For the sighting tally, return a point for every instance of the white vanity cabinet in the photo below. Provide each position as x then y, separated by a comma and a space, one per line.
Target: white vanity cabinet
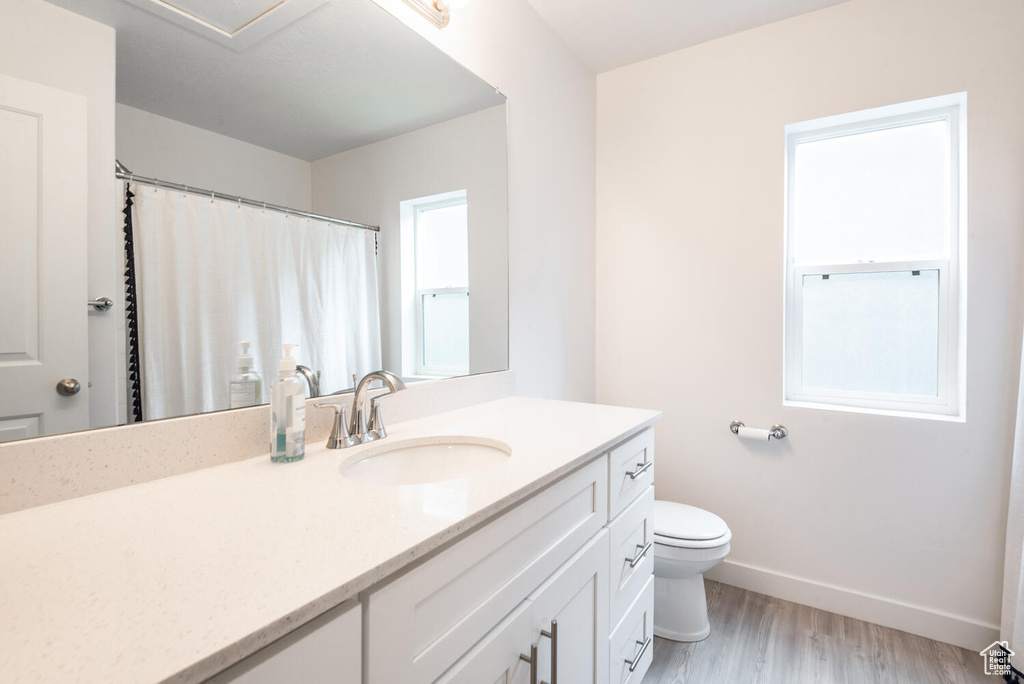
565, 574
421, 624
557, 589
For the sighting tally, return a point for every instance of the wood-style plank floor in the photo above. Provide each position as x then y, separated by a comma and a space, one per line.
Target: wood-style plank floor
757, 639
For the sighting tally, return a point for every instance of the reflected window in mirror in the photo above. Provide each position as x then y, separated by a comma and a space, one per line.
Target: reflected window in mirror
438, 334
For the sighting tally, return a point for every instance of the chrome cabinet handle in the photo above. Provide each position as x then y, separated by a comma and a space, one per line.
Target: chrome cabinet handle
532, 659
553, 635
641, 468
644, 645
635, 560
68, 387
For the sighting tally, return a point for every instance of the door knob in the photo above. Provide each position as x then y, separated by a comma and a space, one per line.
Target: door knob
68, 387
101, 304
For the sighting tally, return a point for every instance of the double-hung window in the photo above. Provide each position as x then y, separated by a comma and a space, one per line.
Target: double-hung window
875, 248
441, 236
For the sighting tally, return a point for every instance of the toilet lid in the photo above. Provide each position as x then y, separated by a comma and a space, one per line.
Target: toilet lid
679, 521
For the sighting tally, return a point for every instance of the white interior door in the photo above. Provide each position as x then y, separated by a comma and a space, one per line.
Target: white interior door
43, 269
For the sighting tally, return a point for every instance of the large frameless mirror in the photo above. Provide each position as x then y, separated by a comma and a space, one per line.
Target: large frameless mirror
189, 185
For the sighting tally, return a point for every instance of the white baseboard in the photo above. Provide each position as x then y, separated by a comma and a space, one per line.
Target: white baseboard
951, 629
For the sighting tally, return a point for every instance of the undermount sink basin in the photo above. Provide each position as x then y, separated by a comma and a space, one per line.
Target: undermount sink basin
425, 459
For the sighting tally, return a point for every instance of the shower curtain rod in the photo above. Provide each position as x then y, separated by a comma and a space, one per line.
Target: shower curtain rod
125, 174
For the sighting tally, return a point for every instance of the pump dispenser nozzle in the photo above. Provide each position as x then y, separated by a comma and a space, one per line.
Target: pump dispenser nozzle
287, 362
244, 359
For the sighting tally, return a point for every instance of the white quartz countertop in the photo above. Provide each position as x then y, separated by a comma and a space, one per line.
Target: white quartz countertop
175, 579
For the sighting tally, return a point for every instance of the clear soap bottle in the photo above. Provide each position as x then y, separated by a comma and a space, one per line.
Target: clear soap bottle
288, 412
246, 383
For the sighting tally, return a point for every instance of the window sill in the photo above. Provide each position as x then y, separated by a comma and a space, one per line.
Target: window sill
942, 417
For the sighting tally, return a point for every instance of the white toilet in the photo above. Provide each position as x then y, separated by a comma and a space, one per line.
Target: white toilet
688, 541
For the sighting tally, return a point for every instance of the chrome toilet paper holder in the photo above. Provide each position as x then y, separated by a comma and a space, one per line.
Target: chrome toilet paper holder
777, 431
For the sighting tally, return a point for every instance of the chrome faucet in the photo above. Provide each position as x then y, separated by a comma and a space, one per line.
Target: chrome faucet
344, 433
312, 380
375, 429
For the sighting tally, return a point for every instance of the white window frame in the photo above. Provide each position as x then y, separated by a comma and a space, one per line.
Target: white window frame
457, 199
949, 403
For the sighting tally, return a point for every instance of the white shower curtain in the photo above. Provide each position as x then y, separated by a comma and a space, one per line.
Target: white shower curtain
212, 273
1012, 625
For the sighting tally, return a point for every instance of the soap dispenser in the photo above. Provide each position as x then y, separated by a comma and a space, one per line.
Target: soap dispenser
288, 412
246, 383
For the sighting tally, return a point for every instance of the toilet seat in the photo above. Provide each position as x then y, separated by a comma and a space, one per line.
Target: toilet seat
688, 527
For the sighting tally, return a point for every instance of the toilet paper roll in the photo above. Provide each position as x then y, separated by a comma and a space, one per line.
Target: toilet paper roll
756, 434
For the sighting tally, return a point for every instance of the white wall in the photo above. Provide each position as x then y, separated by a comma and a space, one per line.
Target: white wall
158, 147
551, 185
52, 46
896, 520
367, 184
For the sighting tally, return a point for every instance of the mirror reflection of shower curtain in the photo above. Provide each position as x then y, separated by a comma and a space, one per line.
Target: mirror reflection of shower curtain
212, 273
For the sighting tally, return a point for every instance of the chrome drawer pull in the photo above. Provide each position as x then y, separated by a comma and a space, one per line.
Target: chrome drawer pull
532, 659
644, 548
644, 645
553, 635
641, 468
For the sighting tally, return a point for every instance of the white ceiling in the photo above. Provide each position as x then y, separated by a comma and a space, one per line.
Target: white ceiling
341, 75
608, 34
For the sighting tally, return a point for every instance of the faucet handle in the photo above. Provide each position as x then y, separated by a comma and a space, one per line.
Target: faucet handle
376, 422
340, 437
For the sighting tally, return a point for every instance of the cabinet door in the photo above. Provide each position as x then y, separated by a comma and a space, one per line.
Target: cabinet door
496, 659
570, 618
419, 625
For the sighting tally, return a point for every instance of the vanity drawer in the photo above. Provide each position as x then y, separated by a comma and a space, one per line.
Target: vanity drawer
632, 642
632, 540
631, 470
420, 624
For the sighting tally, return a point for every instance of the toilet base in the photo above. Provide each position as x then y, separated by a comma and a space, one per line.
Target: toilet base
681, 609
684, 638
